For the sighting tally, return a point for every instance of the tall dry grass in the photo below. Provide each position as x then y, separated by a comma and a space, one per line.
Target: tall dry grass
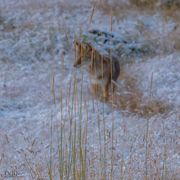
79, 160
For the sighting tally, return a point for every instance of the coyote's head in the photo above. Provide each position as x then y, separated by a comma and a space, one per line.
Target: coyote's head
83, 51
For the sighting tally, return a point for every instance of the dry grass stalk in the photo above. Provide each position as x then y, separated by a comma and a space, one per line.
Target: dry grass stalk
92, 13
75, 50
111, 20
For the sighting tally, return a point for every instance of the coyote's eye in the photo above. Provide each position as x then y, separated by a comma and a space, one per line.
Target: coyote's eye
77, 43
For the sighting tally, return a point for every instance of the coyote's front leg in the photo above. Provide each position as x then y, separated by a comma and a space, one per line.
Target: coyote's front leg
94, 89
105, 92
78, 62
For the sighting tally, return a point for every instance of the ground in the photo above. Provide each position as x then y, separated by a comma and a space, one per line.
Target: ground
46, 103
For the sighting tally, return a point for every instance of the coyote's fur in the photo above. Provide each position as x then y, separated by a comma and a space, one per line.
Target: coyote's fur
103, 69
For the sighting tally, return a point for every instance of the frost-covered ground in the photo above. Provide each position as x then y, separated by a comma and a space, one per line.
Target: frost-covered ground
36, 46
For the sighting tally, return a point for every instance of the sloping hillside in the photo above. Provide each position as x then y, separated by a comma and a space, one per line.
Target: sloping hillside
51, 125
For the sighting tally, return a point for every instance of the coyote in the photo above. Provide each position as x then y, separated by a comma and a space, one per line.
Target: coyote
102, 69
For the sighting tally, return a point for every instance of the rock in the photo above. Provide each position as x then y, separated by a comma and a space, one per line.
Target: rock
120, 46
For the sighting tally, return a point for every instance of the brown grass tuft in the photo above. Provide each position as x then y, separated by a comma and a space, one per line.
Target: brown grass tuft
144, 3
170, 4
132, 100
114, 8
154, 107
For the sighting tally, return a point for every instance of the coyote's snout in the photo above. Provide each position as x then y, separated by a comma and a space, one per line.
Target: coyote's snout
102, 69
